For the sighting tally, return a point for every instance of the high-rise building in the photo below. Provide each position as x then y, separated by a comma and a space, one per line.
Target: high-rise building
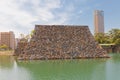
8, 39
99, 21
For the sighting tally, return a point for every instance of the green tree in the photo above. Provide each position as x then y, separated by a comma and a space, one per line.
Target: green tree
102, 38
112, 37
24, 38
32, 32
5, 47
115, 36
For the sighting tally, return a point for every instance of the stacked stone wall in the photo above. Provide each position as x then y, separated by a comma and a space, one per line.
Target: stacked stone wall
62, 42
20, 48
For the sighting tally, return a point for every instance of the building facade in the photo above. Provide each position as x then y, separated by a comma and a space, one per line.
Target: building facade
8, 39
99, 21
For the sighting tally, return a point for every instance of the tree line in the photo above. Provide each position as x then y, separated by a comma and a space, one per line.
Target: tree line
112, 37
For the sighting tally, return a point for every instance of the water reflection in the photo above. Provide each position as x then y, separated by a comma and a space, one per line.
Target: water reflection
9, 70
66, 69
83, 69
113, 67
6, 62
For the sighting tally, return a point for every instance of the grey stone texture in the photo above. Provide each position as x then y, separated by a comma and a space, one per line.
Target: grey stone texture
62, 42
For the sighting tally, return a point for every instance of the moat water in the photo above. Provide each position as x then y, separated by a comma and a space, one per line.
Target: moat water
81, 69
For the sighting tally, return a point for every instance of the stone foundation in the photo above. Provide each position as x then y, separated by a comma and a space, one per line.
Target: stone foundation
62, 42
112, 48
20, 48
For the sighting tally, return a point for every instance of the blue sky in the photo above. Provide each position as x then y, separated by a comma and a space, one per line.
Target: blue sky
21, 16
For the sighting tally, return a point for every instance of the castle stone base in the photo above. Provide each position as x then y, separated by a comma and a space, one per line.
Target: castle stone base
62, 42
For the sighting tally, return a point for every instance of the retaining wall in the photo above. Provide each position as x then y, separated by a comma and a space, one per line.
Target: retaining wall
62, 42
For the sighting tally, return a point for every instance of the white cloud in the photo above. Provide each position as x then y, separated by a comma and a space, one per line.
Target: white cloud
21, 16
14, 17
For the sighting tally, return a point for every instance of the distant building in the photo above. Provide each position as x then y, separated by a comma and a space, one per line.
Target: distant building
7, 38
99, 21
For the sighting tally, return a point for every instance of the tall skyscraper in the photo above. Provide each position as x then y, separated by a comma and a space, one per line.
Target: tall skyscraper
7, 38
99, 21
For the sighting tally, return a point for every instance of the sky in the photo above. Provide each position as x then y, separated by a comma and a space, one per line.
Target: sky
21, 16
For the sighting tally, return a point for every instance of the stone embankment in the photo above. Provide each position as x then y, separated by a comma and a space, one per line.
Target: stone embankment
20, 48
112, 48
61, 42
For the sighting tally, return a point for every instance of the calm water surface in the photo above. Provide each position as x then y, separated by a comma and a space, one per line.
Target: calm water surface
83, 69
